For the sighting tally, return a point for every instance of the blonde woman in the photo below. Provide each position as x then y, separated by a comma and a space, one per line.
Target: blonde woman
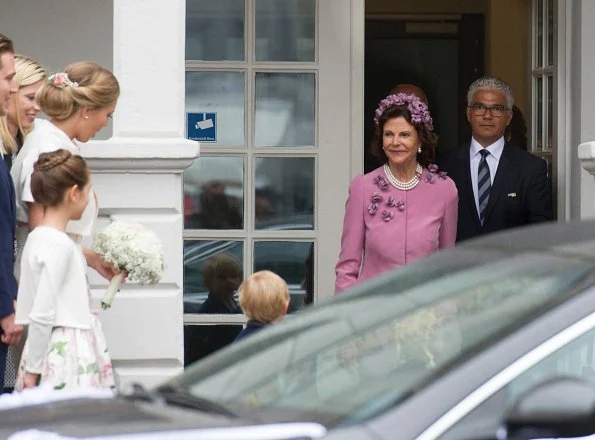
79, 102
22, 107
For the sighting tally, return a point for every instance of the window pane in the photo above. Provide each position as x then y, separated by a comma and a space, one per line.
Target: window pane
550, 112
202, 340
215, 30
550, 32
221, 93
223, 261
285, 109
284, 193
539, 35
285, 30
292, 261
539, 114
214, 193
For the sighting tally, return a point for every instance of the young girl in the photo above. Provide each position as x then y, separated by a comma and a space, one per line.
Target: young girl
65, 346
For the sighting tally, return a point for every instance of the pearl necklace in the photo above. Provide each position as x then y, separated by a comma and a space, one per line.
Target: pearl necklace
403, 186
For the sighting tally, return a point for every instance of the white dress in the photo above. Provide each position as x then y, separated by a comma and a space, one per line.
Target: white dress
44, 137
66, 356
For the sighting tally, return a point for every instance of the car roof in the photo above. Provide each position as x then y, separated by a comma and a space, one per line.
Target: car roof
573, 237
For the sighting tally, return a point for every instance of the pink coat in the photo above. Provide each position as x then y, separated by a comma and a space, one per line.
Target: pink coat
385, 228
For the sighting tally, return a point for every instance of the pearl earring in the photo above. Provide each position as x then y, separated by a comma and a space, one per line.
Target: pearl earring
86, 116
419, 150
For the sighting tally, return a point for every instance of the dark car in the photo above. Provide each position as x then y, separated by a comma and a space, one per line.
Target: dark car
493, 339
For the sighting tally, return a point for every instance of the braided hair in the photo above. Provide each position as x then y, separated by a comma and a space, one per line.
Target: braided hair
55, 173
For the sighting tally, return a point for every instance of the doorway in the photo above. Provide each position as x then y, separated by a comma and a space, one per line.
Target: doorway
442, 54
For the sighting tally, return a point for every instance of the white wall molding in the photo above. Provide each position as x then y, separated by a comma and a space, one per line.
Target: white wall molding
140, 155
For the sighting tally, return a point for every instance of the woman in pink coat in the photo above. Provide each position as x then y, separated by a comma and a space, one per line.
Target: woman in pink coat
406, 209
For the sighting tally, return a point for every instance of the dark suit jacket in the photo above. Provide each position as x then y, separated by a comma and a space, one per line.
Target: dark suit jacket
521, 192
8, 285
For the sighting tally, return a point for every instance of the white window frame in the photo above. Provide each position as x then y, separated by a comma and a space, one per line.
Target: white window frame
250, 67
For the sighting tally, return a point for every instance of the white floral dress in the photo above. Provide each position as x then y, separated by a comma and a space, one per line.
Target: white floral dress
76, 358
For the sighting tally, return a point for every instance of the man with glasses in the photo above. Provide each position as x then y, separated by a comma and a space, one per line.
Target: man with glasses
500, 186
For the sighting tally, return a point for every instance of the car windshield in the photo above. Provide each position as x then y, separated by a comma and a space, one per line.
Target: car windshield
365, 351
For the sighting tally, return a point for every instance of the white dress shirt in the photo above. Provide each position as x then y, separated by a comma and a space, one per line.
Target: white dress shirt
492, 159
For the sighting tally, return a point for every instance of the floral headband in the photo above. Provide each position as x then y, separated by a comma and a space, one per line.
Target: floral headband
61, 80
418, 109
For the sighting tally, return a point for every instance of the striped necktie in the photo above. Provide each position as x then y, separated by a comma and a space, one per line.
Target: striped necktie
484, 184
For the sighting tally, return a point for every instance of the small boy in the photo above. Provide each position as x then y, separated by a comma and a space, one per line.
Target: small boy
264, 298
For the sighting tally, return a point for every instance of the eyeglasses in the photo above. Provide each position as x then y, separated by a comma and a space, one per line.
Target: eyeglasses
495, 110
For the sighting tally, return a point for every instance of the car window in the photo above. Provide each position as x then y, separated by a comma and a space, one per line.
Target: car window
575, 359
365, 352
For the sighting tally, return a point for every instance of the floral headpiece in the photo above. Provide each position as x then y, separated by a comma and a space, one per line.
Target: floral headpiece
418, 109
61, 80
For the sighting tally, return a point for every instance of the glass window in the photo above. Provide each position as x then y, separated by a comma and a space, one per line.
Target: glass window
285, 30
212, 268
215, 30
539, 35
214, 193
203, 340
574, 359
539, 113
550, 112
221, 93
285, 107
386, 339
284, 193
550, 32
292, 261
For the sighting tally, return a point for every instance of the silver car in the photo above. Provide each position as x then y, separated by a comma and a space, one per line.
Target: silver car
492, 339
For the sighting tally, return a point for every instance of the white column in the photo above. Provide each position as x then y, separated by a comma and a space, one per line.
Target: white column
583, 114
138, 177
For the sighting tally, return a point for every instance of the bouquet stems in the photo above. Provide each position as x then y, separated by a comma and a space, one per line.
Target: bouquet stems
112, 289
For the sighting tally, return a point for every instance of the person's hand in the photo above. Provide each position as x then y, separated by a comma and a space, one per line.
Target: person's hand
31, 380
103, 268
11, 333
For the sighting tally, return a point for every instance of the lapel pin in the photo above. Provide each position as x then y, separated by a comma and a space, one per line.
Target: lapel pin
511, 194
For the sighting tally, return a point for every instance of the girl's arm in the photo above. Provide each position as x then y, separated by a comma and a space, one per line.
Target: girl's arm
105, 269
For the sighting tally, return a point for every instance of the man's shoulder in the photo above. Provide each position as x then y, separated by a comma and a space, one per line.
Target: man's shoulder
451, 156
518, 154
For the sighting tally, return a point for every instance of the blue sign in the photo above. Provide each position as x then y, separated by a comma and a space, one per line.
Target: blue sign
202, 127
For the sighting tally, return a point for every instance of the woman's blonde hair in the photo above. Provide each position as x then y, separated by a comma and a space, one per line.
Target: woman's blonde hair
264, 296
28, 71
95, 87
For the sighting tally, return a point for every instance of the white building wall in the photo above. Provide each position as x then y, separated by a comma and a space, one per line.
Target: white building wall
137, 173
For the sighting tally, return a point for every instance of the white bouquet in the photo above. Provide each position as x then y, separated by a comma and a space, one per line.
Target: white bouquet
131, 248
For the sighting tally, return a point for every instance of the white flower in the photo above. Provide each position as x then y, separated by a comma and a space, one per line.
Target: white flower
131, 248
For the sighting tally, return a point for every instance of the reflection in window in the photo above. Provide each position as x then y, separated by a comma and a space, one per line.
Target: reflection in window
292, 261
212, 268
215, 30
285, 104
285, 30
212, 274
221, 93
284, 193
214, 193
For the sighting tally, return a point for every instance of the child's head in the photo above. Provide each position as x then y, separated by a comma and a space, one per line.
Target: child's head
264, 297
61, 178
222, 275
